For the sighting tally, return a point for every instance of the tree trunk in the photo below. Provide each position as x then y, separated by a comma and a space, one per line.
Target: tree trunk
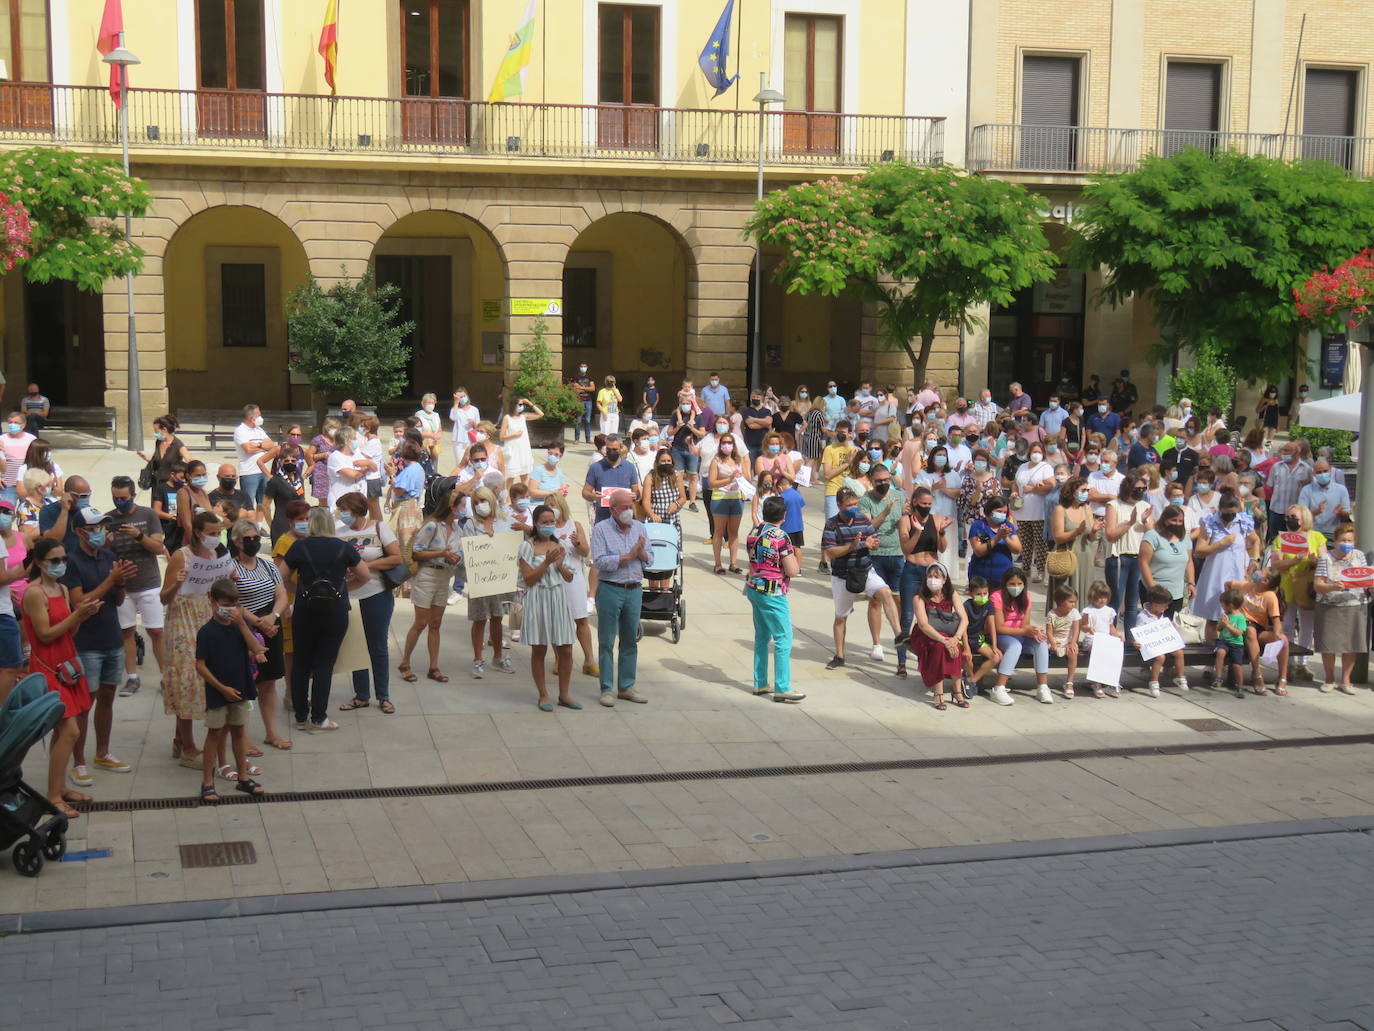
921, 360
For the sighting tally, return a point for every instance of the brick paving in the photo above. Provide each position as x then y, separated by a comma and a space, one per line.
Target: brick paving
1267, 934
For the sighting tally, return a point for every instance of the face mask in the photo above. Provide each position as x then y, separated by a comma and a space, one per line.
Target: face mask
1082, 496
722, 427
653, 441
1053, 449
1091, 460
14, 427
1324, 479
773, 449
941, 461
518, 408
1202, 487
200, 481
546, 529
1344, 548
1109, 468
301, 529
848, 513
1226, 517
250, 545
1102, 409
831, 391
686, 408
1293, 523
481, 437
225, 611
980, 599
727, 448
553, 459
124, 504
6, 520
666, 469
1015, 591
1037, 457
980, 465
482, 508
881, 489
935, 583
715, 382
346, 518
57, 570
624, 518
96, 538
257, 421
1054, 405
582, 369
842, 437
803, 395
525, 504
289, 468
1176, 499
210, 541
159, 435
479, 464
226, 483
1244, 491
293, 438
876, 454
461, 401
1174, 527
865, 466
998, 518
428, 408
1173, 475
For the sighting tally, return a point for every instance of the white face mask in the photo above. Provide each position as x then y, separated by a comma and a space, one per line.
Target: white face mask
257, 421
935, 583
482, 508
625, 516
225, 611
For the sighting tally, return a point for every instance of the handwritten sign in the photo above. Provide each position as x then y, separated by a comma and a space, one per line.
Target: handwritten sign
1105, 659
490, 564
1155, 639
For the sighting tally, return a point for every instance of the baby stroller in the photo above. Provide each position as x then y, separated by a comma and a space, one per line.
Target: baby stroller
28, 821
664, 604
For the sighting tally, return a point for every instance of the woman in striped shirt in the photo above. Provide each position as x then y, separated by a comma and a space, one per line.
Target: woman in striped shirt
263, 598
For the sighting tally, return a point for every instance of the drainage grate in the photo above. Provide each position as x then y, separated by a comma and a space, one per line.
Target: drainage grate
1202, 726
218, 853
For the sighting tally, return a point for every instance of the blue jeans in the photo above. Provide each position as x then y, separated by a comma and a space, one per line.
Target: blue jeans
1123, 577
889, 567
376, 616
686, 462
912, 580
1012, 648
254, 485
772, 627
584, 424
617, 613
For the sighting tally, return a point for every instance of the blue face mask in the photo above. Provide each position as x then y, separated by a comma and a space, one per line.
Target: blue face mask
546, 529
1082, 496
6, 520
14, 427
653, 441
979, 465
998, 518
346, 518
525, 504
1344, 548
1324, 479
301, 529
554, 459
97, 538
159, 435
57, 570
848, 513
124, 504
200, 481
773, 449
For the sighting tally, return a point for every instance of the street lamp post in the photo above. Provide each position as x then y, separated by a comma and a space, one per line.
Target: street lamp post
763, 99
121, 58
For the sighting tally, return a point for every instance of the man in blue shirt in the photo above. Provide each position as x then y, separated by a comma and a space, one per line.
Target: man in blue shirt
1052, 418
55, 519
715, 394
1103, 420
620, 549
1143, 451
835, 405
608, 475
1328, 500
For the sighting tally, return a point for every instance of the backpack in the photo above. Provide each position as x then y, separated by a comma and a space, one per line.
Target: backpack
436, 488
320, 596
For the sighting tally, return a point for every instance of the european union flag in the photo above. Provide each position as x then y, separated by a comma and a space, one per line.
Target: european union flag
717, 50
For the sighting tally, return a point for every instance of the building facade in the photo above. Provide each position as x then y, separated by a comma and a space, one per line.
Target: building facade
615, 186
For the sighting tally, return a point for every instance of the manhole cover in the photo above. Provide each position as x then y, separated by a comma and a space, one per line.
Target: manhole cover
218, 853
1203, 726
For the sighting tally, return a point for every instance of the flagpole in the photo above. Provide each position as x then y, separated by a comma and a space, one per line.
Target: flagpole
334, 89
135, 431
739, 58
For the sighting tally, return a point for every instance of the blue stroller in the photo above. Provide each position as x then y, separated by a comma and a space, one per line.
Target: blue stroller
28, 821
664, 604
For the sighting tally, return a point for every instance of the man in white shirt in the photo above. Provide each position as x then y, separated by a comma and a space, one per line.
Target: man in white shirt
867, 400
465, 417
1105, 484
986, 410
960, 454
250, 441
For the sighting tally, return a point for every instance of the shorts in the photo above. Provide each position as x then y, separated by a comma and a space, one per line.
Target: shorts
374, 487
490, 607
686, 462
142, 604
11, 648
727, 508
235, 714
978, 642
844, 601
798, 538
1235, 653
102, 667
430, 586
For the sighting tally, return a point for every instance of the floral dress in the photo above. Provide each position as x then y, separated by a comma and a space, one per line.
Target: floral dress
183, 691
319, 475
974, 495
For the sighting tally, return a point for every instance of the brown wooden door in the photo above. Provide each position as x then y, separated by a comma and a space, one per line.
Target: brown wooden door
811, 84
628, 78
434, 70
231, 63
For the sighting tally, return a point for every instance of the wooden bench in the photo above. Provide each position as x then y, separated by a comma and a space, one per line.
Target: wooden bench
214, 425
65, 417
1203, 655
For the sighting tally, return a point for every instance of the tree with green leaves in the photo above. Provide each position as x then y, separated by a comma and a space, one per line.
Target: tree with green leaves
925, 244
350, 339
1218, 243
76, 205
537, 380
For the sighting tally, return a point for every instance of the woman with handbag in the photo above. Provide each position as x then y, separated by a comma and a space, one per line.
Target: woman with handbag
377, 546
576, 541
167, 449
1073, 532
938, 636
434, 549
1297, 585
1342, 610
727, 468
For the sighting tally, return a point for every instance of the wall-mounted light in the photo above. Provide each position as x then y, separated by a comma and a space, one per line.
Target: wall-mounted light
703, 150
364, 139
153, 132
512, 144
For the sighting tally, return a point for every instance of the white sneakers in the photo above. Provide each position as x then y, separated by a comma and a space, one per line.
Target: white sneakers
1181, 683
1043, 696
877, 653
1344, 689
1154, 688
1001, 696
504, 664
479, 666
1327, 688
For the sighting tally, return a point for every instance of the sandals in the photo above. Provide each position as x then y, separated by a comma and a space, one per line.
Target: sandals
250, 787
227, 772
67, 811
254, 752
354, 703
720, 570
386, 706
1281, 688
208, 795
77, 796
1068, 689
407, 674
961, 701
546, 706
1260, 688
940, 703
437, 675
278, 742
901, 672
736, 570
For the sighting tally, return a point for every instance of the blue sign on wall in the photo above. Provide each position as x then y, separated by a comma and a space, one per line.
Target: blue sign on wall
1334, 350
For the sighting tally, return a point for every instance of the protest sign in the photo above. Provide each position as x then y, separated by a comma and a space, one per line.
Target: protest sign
489, 564
1105, 660
1157, 638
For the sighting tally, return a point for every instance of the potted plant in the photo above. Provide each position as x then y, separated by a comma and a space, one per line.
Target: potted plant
536, 380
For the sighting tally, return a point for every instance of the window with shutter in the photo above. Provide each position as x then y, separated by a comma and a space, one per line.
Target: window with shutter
1330, 97
1192, 106
1049, 113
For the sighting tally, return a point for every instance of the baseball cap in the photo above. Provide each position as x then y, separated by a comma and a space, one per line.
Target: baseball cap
88, 516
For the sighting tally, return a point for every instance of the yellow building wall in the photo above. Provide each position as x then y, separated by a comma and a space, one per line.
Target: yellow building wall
1336, 35
1182, 28
1057, 27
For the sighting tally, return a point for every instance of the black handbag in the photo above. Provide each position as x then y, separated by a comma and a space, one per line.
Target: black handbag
856, 578
146, 479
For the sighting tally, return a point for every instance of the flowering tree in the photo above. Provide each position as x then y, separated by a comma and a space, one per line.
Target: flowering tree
924, 244
1340, 298
18, 233
75, 205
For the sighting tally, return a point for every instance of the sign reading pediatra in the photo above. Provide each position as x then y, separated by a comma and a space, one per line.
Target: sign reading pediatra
490, 565
1158, 638
536, 306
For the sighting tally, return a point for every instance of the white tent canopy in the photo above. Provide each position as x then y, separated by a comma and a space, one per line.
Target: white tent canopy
1332, 413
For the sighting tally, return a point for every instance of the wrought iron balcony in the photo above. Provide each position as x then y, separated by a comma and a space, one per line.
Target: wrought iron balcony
38, 113
1081, 150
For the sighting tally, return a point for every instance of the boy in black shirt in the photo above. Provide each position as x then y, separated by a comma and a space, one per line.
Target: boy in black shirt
225, 653
980, 640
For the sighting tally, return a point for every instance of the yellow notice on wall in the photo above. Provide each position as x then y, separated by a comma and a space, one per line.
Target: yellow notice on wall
536, 306
491, 311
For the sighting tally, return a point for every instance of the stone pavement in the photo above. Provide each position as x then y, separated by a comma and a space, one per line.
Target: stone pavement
1262, 934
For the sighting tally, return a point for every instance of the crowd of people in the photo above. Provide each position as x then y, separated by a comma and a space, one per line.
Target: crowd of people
942, 515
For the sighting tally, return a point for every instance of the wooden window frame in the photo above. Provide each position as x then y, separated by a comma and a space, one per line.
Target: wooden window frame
630, 124
16, 67
806, 131
231, 49
811, 20
466, 48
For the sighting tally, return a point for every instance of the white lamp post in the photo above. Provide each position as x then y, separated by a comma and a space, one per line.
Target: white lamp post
764, 97
120, 57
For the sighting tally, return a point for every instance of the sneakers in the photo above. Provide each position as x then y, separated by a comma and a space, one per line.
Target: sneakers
1043, 696
792, 697
504, 664
631, 695
823, 566
762, 691
1001, 696
131, 685
1181, 683
877, 653
110, 764
1116, 691
607, 699
452, 598
325, 724
970, 689
1343, 689
80, 776
479, 667
1327, 688
1154, 688
836, 661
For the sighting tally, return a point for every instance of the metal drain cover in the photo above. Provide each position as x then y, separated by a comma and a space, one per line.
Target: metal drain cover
218, 853
1205, 725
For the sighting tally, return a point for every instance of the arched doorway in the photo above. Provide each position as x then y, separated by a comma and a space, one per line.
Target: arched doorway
452, 281
227, 273
625, 303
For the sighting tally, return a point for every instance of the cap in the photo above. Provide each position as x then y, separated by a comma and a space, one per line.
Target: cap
90, 517
6, 505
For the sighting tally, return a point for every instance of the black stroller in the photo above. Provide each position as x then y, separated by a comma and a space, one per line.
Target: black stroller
28, 821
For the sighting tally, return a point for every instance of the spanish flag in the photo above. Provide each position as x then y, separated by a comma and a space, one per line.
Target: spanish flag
510, 77
329, 44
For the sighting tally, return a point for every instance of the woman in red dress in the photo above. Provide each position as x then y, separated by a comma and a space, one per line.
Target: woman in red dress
937, 636
50, 622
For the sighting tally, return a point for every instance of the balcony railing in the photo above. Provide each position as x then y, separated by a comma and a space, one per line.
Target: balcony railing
33, 113
1076, 149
